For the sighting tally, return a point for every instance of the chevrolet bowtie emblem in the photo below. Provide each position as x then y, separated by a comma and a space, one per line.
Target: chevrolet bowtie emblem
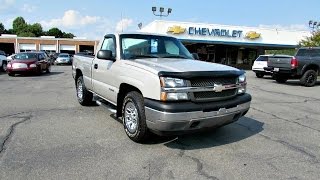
252, 35
176, 30
218, 88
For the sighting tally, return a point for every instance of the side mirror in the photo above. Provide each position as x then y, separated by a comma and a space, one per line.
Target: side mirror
195, 56
105, 54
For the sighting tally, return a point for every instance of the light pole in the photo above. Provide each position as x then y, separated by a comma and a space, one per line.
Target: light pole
314, 25
161, 10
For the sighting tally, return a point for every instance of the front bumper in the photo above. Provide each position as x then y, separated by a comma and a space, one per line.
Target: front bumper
260, 70
22, 70
195, 117
63, 61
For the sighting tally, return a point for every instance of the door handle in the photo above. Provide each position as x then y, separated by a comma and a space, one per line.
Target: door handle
95, 66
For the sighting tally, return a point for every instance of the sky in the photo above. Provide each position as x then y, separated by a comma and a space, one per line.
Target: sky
94, 18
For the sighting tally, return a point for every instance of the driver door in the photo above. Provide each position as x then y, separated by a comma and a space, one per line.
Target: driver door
102, 71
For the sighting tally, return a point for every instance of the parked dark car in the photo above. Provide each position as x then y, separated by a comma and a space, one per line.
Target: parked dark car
29, 62
305, 65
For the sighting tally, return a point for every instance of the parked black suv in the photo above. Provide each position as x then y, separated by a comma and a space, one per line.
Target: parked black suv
305, 65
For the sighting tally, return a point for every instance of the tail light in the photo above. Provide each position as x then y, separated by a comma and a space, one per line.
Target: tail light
294, 63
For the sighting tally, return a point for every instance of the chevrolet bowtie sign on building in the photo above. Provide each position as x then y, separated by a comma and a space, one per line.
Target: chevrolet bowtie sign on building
252, 35
176, 30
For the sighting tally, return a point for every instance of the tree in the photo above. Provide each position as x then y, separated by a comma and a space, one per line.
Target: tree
19, 25
55, 32
312, 41
282, 51
36, 29
68, 35
2, 29
26, 34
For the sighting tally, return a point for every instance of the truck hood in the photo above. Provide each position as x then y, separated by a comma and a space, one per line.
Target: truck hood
155, 65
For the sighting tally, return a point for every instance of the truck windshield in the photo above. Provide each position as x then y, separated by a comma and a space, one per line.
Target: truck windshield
137, 46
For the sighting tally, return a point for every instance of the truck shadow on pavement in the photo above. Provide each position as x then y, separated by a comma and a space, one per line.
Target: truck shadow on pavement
296, 83
234, 132
244, 128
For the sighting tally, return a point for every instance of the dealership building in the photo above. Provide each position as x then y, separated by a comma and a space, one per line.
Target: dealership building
11, 44
237, 46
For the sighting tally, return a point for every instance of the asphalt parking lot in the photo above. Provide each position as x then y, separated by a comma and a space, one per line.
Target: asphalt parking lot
46, 134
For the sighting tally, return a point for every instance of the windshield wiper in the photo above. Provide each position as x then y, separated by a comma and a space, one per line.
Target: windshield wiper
175, 56
142, 56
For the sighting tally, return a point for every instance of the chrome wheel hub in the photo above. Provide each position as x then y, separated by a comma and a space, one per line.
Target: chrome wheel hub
79, 90
310, 78
131, 117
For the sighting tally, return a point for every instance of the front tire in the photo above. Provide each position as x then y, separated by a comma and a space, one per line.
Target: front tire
4, 66
309, 78
84, 96
133, 117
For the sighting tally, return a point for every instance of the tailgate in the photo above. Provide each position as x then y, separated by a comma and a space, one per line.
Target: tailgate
280, 62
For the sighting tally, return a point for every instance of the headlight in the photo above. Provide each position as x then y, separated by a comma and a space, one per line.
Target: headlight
242, 78
9, 65
168, 82
33, 65
243, 84
173, 96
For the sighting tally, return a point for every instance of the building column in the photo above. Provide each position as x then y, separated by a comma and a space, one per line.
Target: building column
57, 47
77, 48
17, 49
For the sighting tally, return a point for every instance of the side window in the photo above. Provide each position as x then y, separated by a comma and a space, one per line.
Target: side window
41, 56
108, 44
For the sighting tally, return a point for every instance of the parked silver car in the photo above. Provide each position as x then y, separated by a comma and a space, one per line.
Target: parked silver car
63, 58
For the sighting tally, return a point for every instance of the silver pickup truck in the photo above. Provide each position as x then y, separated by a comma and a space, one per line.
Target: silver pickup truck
156, 85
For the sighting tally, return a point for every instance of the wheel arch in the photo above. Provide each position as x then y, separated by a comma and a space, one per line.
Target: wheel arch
78, 74
311, 66
123, 90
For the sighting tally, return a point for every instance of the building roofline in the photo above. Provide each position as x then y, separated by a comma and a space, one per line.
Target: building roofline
53, 39
224, 25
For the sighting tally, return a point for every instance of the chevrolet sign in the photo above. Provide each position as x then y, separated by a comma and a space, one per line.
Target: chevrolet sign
176, 30
252, 35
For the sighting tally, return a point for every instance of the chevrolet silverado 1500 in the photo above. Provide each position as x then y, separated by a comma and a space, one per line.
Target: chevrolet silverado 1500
157, 86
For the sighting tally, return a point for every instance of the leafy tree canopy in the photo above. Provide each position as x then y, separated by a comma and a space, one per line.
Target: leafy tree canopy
22, 29
312, 41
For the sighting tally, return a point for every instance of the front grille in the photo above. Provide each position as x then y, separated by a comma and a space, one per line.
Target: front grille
211, 81
214, 96
211, 95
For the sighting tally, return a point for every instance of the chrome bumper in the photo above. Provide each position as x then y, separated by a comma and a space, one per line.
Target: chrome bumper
185, 121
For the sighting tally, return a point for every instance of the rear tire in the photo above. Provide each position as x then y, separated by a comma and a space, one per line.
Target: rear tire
11, 74
259, 75
309, 78
134, 118
84, 96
